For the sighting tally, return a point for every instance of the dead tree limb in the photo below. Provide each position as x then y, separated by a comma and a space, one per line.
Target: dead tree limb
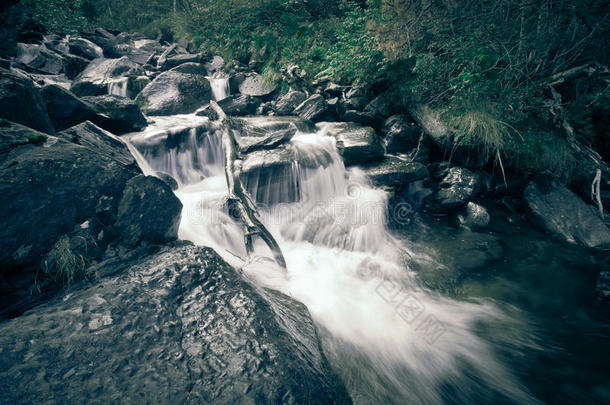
239, 202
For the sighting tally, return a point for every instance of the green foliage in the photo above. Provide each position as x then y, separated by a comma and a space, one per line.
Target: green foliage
37, 139
58, 16
68, 266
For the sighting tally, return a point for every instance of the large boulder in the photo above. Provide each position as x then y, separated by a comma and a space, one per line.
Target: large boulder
474, 216
565, 215
381, 107
176, 60
401, 134
103, 142
116, 114
315, 108
356, 144
148, 212
255, 85
84, 48
288, 102
48, 185
39, 58
64, 108
239, 105
180, 326
395, 173
21, 102
457, 187
191, 68
102, 76
174, 93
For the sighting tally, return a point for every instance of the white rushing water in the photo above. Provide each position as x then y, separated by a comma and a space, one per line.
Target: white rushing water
220, 87
389, 339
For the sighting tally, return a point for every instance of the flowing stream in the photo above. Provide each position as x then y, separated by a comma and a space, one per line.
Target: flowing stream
389, 338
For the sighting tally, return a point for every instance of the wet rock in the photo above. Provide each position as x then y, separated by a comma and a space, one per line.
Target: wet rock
84, 48
191, 68
21, 102
215, 65
401, 134
603, 286
457, 187
169, 180
395, 173
148, 212
474, 216
39, 58
356, 103
116, 114
380, 107
179, 326
176, 60
48, 187
174, 93
64, 108
102, 74
262, 126
288, 102
564, 214
356, 144
239, 105
315, 108
255, 85
358, 117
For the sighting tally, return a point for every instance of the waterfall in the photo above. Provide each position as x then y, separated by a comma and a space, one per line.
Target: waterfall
390, 339
220, 87
118, 87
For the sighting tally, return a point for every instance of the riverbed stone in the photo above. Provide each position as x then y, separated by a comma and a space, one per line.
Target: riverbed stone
116, 114
288, 102
148, 212
315, 108
565, 215
401, 134
174, 93
395, 173
101, 73
254, 84
356, 144
474, 216
64, 108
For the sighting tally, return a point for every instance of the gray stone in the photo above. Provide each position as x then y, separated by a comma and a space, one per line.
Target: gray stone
174, 93
239, 105
64, 108
178, 326
474, 216
401, 134
315, 108
255, 85
21, 102
565, 215
356, 144
288, 102
456, 189
85, 48
116, 114
48, 185
101, 74
395, 173
148, 212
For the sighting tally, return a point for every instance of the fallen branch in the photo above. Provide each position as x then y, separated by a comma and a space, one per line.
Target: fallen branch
239, 202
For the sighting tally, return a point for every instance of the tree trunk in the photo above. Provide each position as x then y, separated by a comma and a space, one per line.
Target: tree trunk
239, 202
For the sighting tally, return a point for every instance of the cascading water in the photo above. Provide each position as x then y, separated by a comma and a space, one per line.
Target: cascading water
220, 87
389, 339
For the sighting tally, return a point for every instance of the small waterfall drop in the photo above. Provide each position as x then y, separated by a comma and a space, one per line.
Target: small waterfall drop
390, 339
118, 87
220, 87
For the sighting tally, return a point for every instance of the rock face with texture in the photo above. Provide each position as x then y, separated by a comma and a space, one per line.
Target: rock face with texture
239, 105
457, 187
103, 76
148, 211
116, 114
564, 214
288, 102
85, 48
21, 102
395, 173
255, 85
64, 108
356, 144
474, 216
174, 93
180, 326
401, 134
315, 108
48, 185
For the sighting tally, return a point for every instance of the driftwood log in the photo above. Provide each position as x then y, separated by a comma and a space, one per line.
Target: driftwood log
239, 202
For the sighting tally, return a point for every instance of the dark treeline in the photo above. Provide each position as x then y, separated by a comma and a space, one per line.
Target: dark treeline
508, 75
